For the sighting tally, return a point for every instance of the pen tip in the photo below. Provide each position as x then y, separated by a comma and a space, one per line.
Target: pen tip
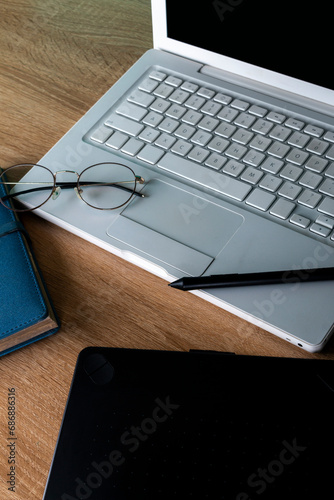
176, 284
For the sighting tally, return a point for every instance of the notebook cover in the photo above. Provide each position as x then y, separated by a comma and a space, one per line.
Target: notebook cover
24, 299
178, 425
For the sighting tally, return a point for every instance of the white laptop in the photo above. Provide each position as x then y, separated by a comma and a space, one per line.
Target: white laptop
230, 121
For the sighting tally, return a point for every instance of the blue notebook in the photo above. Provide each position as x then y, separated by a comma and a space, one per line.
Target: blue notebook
26, 313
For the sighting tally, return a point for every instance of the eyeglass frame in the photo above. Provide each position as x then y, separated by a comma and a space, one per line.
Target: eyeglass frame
55, 190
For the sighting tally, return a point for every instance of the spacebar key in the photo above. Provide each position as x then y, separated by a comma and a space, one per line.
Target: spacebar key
211, 179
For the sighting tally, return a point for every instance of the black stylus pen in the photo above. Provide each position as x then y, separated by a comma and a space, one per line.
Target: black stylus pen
246, 279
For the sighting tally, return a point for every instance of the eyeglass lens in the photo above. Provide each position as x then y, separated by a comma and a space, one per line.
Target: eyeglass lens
107, 185
27, 182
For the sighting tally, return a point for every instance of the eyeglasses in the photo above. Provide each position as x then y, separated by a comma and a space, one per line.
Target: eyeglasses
104, 186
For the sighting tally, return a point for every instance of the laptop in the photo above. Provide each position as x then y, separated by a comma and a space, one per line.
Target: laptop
230, 121
213, 425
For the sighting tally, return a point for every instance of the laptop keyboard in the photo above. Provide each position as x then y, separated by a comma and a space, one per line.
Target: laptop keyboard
277, 165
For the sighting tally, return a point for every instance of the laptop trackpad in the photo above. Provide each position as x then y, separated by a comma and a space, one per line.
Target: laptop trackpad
175, 227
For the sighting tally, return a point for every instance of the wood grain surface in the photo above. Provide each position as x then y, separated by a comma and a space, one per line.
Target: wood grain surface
57, 57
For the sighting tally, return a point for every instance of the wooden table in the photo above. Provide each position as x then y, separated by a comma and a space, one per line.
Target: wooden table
57, 58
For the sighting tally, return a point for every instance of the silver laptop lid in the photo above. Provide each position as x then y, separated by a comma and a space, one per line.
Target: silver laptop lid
285, 46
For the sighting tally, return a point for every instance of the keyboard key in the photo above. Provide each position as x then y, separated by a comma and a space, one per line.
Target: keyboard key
325, 221
176, 111
320, 230
258, 111
208, 178
192, 117
117, 140
254, 158
289, 190
179, 96
185, 131
262, 127
312, 130
317, 147
201, 138
327, 207
242, 136
310, 180
329, 136
278, 149
330, 171
225, 130
298, 140
233, 168
251, 175
101, 134
316, 164
282, 208
244, 120
291, 172
124, 124
173, 81
148, 85
195, 102
168, 125
276, 117
211, 108
165, 141
294, 124
272, 165
236, 151
153, 119
207, 93
150, 154
270, 183
297, 157
228, 114
198, 154
260, 143
189, 87
160, 105
181, 148
149, 134
310, 199
239, 104
132, 111
260, 199
330, 153
140, 98
208, 123
218, 144
300, 221
279, 133
215, 161
223, 99
163, 91
327, 187
158, 75
132, 147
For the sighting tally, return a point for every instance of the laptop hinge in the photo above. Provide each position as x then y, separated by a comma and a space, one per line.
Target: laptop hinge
267, 90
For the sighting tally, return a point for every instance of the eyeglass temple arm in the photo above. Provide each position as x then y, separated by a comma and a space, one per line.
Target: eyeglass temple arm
34, 190
65, 185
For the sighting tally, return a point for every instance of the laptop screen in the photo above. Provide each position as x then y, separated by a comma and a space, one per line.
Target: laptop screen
288, 37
